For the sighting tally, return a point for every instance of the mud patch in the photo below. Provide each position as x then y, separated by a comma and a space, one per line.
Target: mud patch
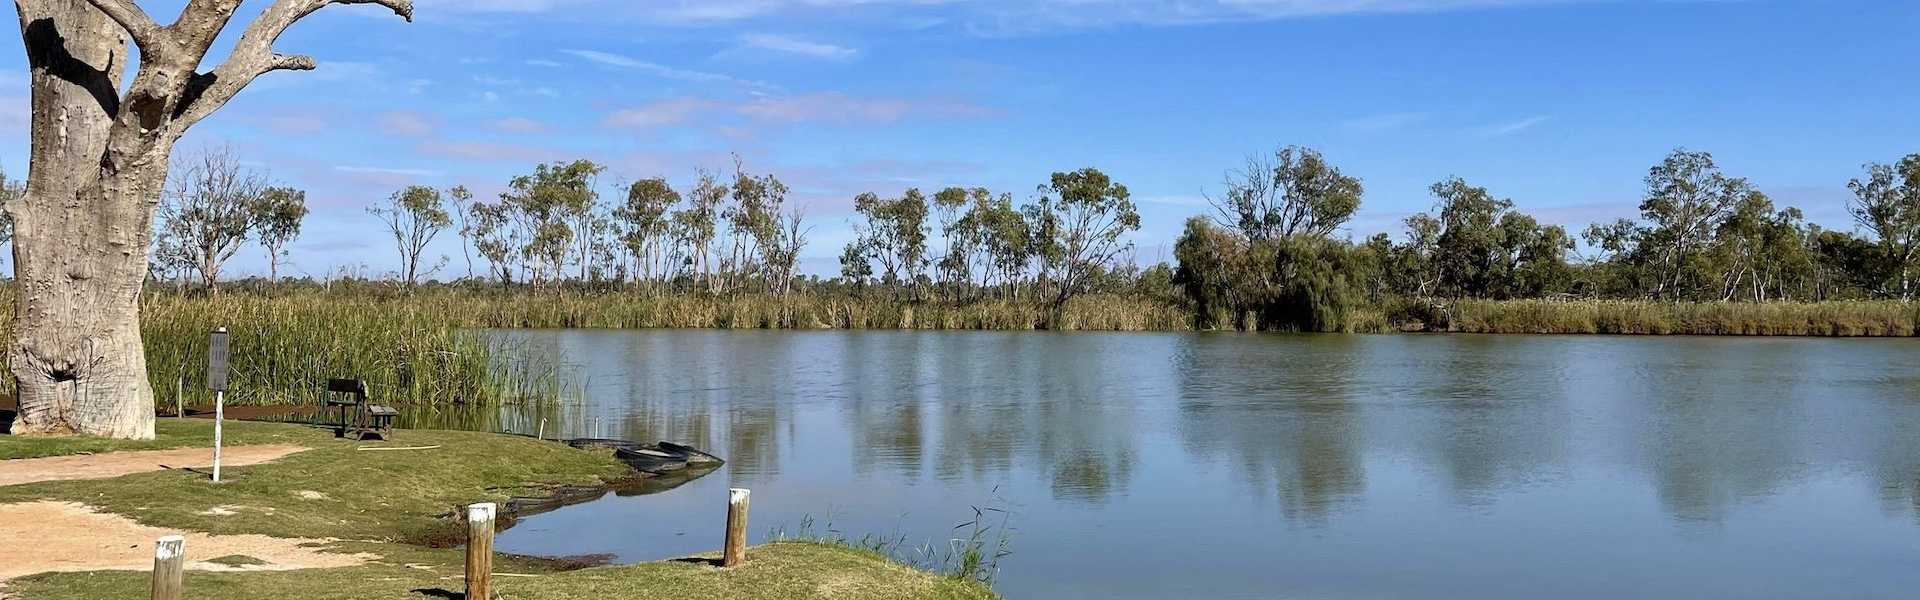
115, 464
68, 536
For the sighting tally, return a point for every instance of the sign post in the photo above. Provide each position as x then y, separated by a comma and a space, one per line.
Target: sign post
217, 381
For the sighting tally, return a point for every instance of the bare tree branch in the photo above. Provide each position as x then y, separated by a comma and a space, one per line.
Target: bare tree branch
254, 56
134, 19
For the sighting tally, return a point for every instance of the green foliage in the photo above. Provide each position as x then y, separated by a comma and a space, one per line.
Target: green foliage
1077, 225
1887, 205
1295, 193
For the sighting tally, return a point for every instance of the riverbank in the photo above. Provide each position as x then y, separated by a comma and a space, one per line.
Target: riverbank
419, 347
335, 521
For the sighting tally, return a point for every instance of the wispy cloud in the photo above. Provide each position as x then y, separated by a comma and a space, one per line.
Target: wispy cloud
841, 108
519, 125
627, 62
796, 46
1513, 127
1383, 122
386, 171
672, 111
405, 123
821, 107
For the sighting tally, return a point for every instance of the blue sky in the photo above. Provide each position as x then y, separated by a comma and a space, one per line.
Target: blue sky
1560, 105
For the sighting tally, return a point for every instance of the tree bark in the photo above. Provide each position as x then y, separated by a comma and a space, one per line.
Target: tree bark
80, 247
98, 161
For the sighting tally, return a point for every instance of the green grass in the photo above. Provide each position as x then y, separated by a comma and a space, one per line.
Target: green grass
378, 502
168, 433
381, 496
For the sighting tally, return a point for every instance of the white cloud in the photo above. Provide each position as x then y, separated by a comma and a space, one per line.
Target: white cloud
1513, 127
386, 171
842, 108
795, 46
405, 123
519, 125
672, 111
626, 62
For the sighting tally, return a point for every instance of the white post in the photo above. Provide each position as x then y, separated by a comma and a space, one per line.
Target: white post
169, 558
219, 415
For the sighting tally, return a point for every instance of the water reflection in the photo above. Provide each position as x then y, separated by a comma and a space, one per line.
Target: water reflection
1682, 466
1281, 412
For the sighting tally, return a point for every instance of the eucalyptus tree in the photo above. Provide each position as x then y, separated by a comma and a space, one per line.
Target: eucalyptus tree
414, 216
1293, 192
645, 223
894, 233
209, 211
1887, 205
694, 226
461, 200
1687, 200
551, 205
277, 214
1079, 223
100, 149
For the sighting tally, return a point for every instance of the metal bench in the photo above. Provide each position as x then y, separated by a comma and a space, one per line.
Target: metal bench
359, 418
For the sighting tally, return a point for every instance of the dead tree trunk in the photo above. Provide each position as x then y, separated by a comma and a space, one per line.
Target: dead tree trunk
98, 161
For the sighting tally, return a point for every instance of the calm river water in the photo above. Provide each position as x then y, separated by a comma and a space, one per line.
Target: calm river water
1265, 466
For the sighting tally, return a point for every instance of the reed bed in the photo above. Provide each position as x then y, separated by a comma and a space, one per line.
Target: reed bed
1619, 317
427, 347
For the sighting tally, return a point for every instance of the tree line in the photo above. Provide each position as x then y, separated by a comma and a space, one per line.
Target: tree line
1272, 254
1269, 258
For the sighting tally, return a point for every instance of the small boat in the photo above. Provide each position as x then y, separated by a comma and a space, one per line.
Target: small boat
652, 460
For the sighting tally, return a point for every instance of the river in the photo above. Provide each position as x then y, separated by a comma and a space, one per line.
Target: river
1262, 466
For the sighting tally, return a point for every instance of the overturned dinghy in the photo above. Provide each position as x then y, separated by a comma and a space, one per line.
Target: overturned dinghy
657, 459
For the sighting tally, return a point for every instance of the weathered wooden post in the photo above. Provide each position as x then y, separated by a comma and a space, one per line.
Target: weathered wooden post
480, 551
217, 381
542, 433
736, 548
179, 397
169, 560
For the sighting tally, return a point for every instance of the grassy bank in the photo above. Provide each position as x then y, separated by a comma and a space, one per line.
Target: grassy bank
419, 347
1831, 319
387, 503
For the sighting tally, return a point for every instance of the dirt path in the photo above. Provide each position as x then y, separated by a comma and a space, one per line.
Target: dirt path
115, 464
67, 536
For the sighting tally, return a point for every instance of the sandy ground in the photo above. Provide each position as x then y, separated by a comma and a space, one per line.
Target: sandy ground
67, 536
115, 464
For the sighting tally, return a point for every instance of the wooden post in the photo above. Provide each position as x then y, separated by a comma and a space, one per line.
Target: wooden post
219, 418
179, 397
736, 549
480, 551
169, 559
542, 434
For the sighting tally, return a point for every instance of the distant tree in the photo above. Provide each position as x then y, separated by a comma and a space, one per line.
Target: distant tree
694, 226
1687, 200
493, 229
209, 211
953, 266
414, 216
1887, 204
1469, 255
10, 190
645, 223
461, 200
894, 232
277, 214
1079, 222
855, 266
1293, 192
758, 216
555, 208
